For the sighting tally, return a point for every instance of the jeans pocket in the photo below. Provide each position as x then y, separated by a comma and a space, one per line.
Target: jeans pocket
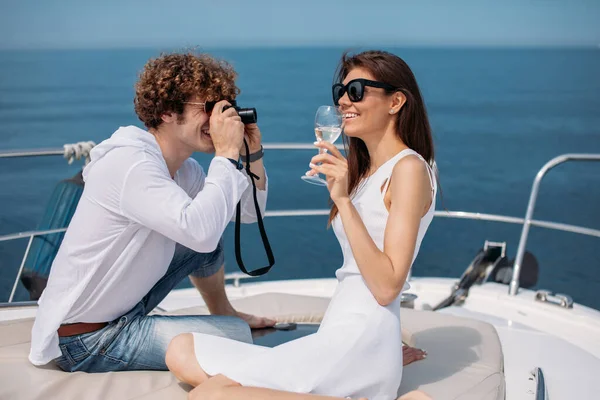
73, 352
63, 362
111, 334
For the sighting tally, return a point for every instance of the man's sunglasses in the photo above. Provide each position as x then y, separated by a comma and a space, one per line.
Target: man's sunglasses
209, 105
356, 89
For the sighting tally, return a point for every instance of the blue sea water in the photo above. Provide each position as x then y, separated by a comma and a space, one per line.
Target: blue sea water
497, 115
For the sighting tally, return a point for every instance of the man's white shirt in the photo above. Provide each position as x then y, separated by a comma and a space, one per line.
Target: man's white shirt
122, 236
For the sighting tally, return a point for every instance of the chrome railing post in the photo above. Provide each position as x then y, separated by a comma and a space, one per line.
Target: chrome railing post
541, 393
14, 289
514, 283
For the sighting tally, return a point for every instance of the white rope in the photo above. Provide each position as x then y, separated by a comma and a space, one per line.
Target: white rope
75, 151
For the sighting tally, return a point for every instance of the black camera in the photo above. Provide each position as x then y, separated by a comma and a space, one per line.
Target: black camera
248, 115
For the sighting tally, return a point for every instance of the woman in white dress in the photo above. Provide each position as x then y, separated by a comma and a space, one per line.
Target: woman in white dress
383, 202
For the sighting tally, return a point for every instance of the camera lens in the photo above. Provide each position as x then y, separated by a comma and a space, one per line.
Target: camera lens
248, 115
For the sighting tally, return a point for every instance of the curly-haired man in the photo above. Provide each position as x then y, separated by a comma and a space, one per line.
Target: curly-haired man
149, 216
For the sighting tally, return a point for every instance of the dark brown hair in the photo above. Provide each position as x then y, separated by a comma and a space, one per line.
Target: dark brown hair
412, 124
172, 79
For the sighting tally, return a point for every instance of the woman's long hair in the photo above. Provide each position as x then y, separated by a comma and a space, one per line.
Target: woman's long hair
412, 124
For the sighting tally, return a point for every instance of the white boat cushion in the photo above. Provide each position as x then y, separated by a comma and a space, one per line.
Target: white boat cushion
464, 358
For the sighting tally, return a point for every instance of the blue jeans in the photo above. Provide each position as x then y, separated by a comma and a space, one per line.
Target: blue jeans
137, 341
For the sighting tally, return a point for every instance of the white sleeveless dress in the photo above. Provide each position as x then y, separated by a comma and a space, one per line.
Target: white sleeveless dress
357, 351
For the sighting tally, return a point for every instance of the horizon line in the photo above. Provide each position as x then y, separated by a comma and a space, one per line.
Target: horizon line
311, 46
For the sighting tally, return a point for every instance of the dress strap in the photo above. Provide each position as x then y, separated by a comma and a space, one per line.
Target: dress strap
401, 155
430, 173
387, 184
392, 162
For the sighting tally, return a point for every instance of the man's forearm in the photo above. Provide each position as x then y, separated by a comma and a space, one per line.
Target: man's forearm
212, 289
258, 168
248, 207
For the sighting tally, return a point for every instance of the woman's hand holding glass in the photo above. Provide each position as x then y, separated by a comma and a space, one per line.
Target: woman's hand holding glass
335, 167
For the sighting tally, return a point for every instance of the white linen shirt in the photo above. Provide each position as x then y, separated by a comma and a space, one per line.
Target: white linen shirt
122, 236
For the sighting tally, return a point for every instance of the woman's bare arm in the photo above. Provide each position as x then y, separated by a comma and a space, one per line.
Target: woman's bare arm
385, 271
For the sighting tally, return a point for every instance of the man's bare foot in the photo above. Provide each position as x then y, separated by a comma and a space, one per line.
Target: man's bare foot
412, 354
252, 320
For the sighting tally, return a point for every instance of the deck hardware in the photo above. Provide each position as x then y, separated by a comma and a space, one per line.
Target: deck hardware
558, 299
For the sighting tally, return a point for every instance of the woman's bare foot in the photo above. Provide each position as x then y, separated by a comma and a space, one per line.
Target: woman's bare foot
415, 395
412, 354
212, 389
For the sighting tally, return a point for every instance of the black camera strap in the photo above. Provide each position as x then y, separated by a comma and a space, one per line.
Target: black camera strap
261, 227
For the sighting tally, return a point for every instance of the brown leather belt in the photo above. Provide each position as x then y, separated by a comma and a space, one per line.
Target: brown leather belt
80, 328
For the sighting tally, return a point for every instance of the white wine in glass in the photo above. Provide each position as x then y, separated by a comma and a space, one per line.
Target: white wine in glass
328, 127
328, 133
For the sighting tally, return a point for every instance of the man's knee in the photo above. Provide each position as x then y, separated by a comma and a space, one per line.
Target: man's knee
207, 264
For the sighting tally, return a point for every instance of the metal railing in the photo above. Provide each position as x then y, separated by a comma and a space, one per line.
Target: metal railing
541, 393
61, 151
514, 283
526, 222
21, 235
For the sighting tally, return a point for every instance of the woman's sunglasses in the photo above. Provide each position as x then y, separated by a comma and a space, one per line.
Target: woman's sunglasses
356, 89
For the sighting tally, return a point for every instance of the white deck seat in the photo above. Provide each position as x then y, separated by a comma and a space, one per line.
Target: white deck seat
464, 358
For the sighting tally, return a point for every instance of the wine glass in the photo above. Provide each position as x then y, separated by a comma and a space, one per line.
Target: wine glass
328, 127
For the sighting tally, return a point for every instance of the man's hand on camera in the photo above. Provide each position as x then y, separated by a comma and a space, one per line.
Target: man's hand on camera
253, 137
226, 131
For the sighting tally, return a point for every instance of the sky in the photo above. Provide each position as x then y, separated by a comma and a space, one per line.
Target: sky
57, 24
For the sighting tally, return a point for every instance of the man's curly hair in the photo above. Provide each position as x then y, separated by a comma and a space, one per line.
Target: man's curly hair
172, 79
